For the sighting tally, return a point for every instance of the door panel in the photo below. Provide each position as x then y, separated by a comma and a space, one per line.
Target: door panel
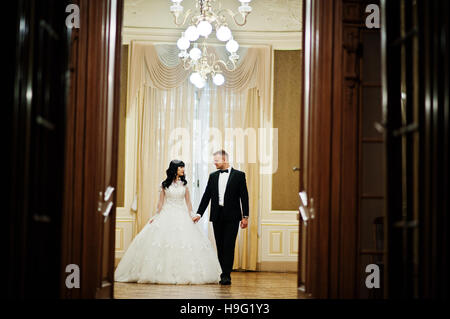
35, 125
331, 145
91, 161
416, 118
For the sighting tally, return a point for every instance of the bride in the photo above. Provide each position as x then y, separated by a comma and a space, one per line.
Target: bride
171, 248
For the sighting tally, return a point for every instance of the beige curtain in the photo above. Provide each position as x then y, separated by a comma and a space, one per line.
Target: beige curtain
247, 243
164, 99
245, 108
254, 71
159, 114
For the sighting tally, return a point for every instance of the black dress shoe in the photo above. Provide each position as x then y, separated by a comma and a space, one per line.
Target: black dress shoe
225, 280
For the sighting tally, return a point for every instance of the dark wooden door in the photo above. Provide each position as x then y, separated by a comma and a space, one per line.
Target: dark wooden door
35, 124
415, 42
415, 121
91, 152
332, 146
107, 159
316, 144
63, 118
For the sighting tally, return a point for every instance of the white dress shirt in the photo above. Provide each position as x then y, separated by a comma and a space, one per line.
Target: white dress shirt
223, 179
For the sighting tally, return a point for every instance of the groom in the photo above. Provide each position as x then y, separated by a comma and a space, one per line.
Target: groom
226, 189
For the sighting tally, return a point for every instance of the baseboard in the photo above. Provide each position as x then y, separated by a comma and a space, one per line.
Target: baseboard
277, 266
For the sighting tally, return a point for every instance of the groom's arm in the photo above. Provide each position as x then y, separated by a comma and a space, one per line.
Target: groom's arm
205, 198
244, 196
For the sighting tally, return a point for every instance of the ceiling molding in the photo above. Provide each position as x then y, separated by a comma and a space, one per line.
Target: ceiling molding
278, 40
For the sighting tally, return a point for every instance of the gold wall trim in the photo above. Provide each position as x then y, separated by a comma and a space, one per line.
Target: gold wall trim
271, 244
292, 243
120, 230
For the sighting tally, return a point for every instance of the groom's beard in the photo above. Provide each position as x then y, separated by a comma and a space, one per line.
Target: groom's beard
222, 166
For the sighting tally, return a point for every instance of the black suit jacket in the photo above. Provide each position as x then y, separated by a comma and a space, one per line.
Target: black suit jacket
235, 193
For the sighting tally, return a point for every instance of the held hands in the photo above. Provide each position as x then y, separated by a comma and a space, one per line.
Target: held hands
194, 217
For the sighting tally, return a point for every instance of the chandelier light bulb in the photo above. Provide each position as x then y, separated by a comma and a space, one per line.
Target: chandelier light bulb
200, 84
204, 65
218, 79
195, 54
223, 33
195, 78
232, 46
245, 9
192, 33
183, 43
176, 9
204, 28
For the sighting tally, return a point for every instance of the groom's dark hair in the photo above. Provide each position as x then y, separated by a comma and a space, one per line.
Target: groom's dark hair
221, 152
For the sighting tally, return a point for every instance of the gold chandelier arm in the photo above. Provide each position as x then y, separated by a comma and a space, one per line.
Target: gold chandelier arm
185, 17
233, 15
187, 63
229, 69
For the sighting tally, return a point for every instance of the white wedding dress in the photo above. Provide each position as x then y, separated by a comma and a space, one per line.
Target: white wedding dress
172, 249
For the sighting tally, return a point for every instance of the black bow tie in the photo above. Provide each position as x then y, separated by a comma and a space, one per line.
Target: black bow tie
224, 171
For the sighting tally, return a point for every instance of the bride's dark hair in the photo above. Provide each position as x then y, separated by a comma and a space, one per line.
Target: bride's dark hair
172, 173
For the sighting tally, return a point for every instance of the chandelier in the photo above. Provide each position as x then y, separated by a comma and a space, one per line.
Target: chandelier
202, 62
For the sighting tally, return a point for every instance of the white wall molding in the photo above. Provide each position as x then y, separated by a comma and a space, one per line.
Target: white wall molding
285, 212
278, 222
279, 242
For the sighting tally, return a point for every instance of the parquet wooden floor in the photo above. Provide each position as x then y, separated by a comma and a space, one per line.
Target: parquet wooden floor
245, 285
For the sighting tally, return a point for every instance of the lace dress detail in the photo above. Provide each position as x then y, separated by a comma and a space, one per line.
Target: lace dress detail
170, 250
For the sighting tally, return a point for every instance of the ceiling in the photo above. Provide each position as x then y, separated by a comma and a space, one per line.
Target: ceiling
274, 22
267, 15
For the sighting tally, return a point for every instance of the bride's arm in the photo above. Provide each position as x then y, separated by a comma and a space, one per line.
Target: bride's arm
188, 201
160, 202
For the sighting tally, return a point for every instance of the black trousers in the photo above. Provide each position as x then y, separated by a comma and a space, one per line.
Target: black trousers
225, 233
